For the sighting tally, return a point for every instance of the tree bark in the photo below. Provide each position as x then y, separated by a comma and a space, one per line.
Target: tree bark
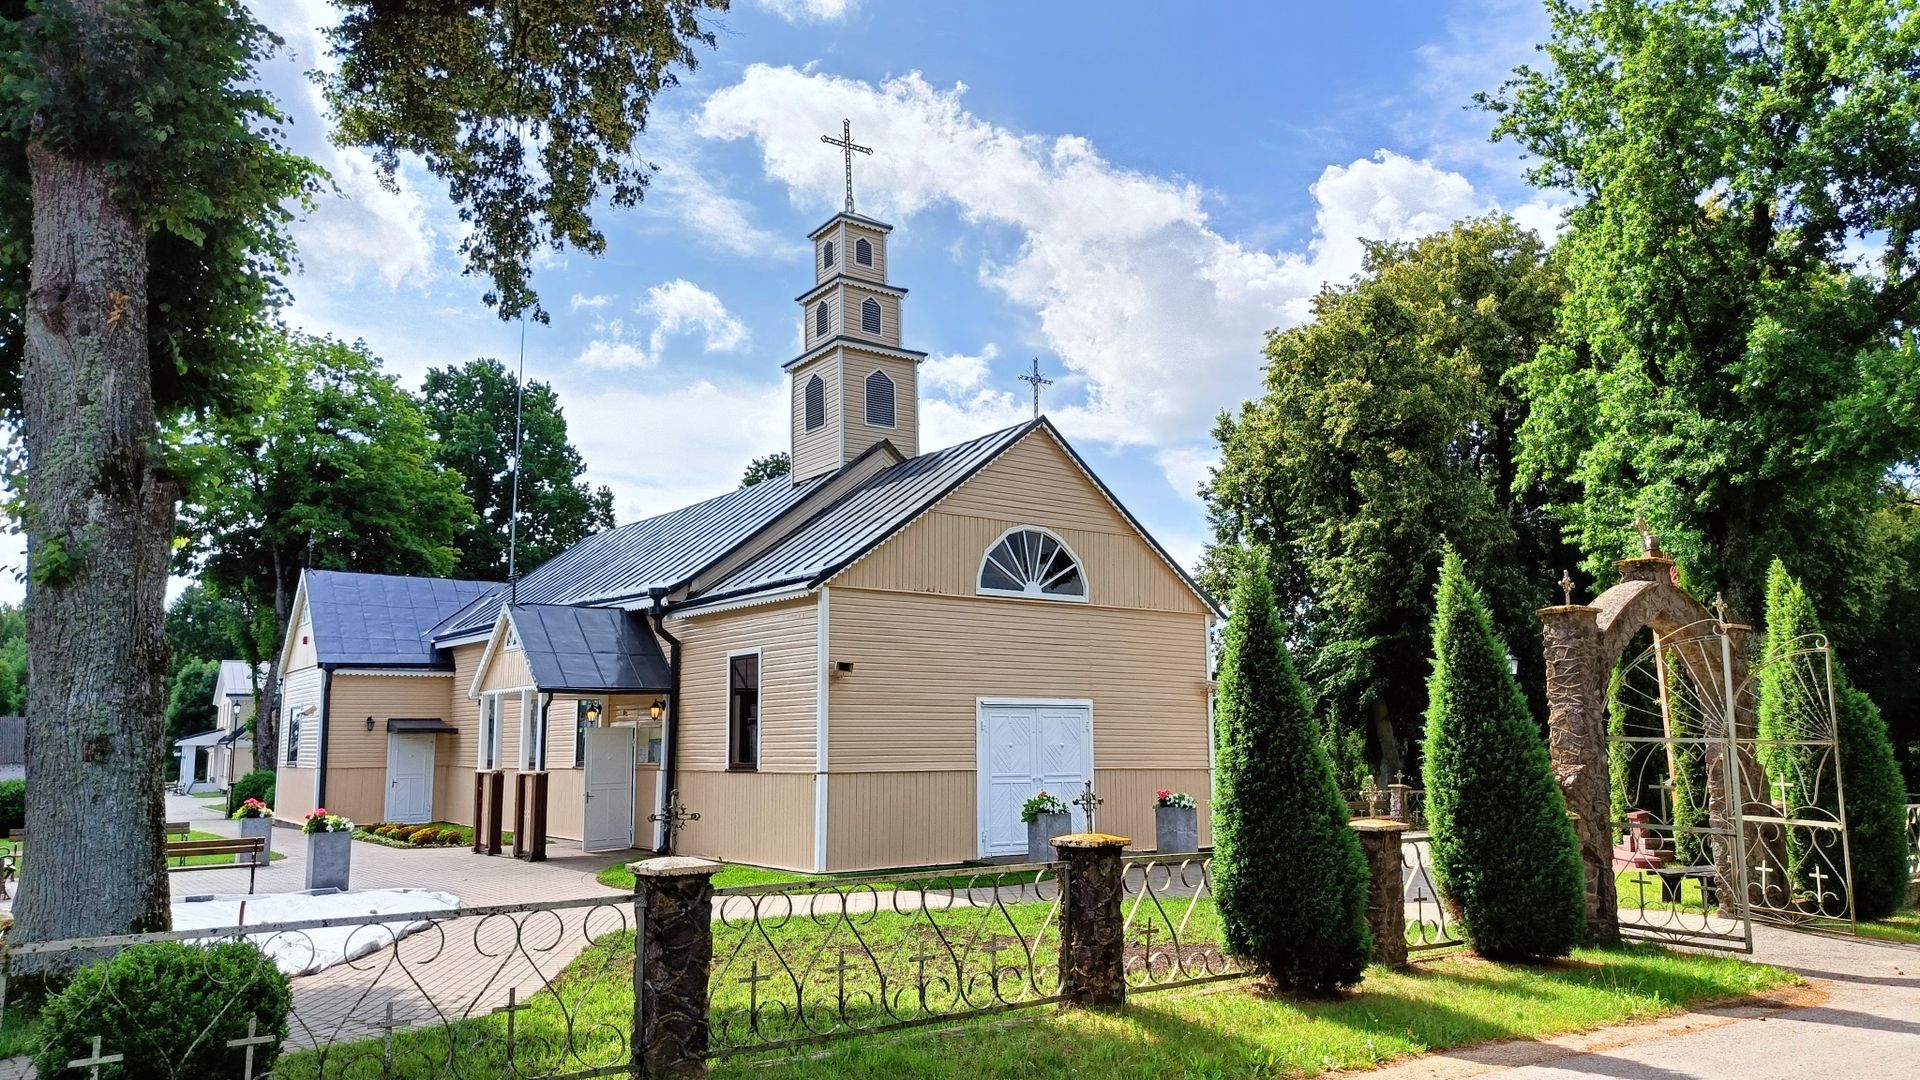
99, 526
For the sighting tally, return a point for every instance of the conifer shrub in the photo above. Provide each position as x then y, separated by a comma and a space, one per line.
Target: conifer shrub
1504, 852
1289, 880
13, 805
257, 784
1792, 708
169, 1008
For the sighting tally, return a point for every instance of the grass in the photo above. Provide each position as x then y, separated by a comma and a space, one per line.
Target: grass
1234, 1032
19, 1028
1901, 926
1631, 885
740, 875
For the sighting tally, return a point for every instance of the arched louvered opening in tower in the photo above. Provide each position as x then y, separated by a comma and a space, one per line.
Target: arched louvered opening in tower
880, 408
870, 315
816, 403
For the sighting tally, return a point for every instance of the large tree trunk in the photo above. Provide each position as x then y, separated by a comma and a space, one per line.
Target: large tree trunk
99, 530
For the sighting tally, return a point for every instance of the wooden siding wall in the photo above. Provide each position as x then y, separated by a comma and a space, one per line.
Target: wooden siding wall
785, 634
850, 235
854, 302
811, 314
384, 697
292, 793
360, 794
507, 671
905, 432
880, 820
303, 655
761, 818
300, 689
817, 451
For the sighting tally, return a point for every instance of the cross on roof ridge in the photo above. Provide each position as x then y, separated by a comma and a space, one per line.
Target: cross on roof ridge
848, 148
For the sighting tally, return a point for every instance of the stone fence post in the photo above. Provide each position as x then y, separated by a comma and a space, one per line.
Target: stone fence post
1386, 891
1093, 943
673, 952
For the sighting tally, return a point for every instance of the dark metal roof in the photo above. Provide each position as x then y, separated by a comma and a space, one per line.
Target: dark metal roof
602, 650
382, 619
857, 219
852, 342
854, 523
658, 552
410, 726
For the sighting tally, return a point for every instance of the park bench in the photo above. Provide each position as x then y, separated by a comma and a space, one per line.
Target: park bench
10, 861
254, 846
1673, 883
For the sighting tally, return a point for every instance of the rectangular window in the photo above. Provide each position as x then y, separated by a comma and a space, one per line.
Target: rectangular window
586, 714
743, 711
293, 734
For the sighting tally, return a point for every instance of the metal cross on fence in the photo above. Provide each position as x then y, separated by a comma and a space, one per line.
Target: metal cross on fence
253, 1039
848, 148
92, 1064
675, 817
1566, 587
1088, 802
839, 973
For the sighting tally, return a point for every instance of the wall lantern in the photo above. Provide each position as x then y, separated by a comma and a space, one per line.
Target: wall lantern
593, 712
369, 723
1513, 664
657, 709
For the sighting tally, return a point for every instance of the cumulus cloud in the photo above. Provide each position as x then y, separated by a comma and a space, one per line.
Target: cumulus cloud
956, 372
1158, 316
811, 10
706, 458
592, 303
678, 308
717, 217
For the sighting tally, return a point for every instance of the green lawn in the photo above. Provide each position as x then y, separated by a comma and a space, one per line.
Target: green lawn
1902, 926
740, 875
1232, 1032
1631, 886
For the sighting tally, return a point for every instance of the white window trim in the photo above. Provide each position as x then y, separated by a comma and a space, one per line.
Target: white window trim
826, 255
857, 246
499, 740
760, 724
879, 317
1086, 592
866, 397
533, 733
806, 405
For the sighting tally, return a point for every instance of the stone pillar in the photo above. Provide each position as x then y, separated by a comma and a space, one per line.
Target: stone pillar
1386, 890
1093, 943
1399, 805
673, 911
1577, 738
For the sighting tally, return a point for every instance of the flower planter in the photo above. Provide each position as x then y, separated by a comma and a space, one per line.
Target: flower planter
1040, 833
1176, 829
261, 827
329, 860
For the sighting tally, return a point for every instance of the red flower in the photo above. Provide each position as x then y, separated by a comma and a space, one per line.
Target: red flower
1162, 793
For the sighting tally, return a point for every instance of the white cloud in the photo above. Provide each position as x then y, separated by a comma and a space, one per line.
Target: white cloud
602, 353
715, 216
594, 302
956, 372
811, 10
948, 420
1161, 317
679, 308
704, 457
1186, 467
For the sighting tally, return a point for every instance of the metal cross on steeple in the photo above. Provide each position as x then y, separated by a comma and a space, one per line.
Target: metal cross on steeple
1037, 382
848, 148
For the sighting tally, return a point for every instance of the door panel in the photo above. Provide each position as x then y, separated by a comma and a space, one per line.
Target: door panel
1024, 750
609, 783
410, 778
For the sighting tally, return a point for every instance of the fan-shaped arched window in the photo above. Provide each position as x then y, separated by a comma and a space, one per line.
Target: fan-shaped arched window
863, 252
816, 403
870, 315
826, 254
1033, 563
879, 400
821, 321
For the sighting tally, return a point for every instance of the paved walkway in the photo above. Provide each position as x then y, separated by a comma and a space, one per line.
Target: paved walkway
1859, 1019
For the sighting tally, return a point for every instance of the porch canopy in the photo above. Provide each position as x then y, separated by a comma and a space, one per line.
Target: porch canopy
201, 741
587, 650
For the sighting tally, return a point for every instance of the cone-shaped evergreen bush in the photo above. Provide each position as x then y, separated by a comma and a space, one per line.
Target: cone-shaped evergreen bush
1793, 707
1504, 852
1288, 876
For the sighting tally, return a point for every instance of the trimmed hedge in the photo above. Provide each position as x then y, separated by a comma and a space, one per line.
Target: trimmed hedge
257, 784
13, 805
1504, 852
1289, 879
170, 1008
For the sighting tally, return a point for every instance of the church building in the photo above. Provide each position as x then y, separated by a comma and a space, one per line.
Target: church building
870, 663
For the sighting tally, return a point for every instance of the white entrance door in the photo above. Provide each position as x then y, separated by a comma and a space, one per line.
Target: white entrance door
1027, 748
610, 774
410, 778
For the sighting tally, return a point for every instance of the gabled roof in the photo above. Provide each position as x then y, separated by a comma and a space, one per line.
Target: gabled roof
382, 620
589, 650
658, 552
862, 518
235, 680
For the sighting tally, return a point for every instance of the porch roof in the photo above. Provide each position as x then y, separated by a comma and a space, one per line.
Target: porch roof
589, 650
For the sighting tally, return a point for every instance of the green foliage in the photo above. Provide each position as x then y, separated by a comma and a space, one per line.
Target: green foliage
13, 805
1288, 874
190, 705
257, 784
203, 625
529, 111
1504, 852
767, 468
1793, 706
1346, 750
197, 156
170, 1008
1386, 433
13, 660
331, 468
470, 410
1742, 276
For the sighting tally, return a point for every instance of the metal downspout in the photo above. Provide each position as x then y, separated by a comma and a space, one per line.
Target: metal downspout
670, 752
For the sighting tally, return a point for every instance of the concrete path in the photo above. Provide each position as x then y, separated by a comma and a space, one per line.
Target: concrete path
1858, 1019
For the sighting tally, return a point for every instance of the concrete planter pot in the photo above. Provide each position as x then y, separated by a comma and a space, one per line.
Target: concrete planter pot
1040, 833
263, 828
329, 860
1176, 829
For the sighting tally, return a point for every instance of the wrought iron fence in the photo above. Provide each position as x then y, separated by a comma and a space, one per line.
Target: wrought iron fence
802, 963
1913, 842
1430, 925
1173, 931
539, 991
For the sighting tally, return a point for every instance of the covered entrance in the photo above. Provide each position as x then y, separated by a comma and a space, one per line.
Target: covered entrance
1026, 747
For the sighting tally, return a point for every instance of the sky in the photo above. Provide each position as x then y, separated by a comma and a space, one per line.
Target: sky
1132, 193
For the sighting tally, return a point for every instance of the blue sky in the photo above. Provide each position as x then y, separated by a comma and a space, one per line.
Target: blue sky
1133, 193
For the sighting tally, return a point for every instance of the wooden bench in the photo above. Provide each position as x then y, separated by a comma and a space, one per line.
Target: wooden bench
181, 829
255, 846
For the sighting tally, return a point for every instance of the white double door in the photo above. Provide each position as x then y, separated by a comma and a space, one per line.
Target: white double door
410, 778
1027, 747
610, 783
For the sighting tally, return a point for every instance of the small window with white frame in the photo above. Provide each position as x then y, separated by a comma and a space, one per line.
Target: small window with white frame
1032, 563
586, 714
296, 727
743, 711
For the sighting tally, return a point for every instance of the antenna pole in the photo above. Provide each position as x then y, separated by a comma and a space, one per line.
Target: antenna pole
513, 500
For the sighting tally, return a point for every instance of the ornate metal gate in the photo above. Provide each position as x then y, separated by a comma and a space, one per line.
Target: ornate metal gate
1716, 823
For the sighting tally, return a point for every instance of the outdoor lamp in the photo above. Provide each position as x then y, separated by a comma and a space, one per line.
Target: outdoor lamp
1513, 664
593, 712
657, 709
369, 723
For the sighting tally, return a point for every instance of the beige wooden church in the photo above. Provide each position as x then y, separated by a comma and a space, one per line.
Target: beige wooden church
872, 663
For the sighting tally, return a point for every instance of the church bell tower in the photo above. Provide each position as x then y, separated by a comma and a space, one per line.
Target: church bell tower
852, 385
